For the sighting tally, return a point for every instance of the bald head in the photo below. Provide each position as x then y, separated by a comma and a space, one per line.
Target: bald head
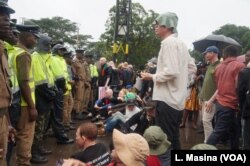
103, 60
109, 93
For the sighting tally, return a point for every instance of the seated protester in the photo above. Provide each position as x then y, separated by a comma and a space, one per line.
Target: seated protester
143, 119
103, 105
158, 146
92, 153
129, 149
118, 118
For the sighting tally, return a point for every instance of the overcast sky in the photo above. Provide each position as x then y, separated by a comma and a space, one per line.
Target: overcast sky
197, 18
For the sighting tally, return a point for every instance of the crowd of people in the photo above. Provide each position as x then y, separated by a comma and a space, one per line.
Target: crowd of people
45, 86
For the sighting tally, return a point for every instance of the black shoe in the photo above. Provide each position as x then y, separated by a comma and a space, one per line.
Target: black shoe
44, 151
66, 128
72, 122
64, 141
38, 159
72, 127
95, 119
79, 116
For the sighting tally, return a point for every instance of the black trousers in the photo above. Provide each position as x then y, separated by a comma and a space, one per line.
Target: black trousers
246, 134
169, 120
225, 122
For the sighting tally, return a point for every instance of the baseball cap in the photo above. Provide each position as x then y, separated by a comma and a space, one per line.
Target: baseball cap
213, 49
157, 140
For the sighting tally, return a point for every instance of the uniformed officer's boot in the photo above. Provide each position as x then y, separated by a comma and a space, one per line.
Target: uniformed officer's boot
38, 159
36, 156
43, 151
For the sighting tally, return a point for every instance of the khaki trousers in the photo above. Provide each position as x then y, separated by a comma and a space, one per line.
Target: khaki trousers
3, 139
67, 108
207, 121
86, 96
24, 138
78, 98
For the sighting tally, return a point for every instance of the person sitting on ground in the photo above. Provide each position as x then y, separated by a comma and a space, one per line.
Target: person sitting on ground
143, 119
92, 153
103, 105
158, 145
118, 118
129, 149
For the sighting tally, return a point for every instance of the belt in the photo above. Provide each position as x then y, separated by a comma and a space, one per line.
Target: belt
3, 111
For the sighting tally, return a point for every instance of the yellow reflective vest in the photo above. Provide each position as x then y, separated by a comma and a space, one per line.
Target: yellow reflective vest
19, 52
42, 72
11, 51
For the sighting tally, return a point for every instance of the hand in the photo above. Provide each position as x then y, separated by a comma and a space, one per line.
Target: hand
32, 114
208, 106
12, 134
97, 108
109, 107
146, 76
73, 162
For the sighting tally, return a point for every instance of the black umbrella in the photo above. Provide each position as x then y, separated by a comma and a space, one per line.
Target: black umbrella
219, 41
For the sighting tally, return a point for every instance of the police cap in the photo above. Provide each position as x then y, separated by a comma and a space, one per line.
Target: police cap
68, 54
29, 27
80, 51
13, 26
88, 54
58, 47
4, 5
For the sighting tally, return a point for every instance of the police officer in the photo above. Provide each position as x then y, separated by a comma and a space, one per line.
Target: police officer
23, 67
5, 95
57, 113
87, 81
44, 93
67, 98
79, 77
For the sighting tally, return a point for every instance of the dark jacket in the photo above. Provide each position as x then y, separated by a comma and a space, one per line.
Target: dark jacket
243, 93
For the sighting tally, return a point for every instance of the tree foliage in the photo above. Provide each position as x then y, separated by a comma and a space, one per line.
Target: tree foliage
61, 28
142, 41
239, 33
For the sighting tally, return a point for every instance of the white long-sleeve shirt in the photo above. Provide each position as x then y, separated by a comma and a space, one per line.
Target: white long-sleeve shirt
171, 78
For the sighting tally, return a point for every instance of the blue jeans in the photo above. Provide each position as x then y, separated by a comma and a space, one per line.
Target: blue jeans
225, 122
114, 121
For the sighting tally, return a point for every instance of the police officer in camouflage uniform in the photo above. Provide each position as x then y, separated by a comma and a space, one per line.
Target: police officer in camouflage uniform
44, 93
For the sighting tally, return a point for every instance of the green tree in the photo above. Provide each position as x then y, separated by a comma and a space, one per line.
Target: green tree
239, 33
143, 44
61, 28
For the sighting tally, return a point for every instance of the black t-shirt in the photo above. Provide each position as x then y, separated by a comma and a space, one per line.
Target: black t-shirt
95, 155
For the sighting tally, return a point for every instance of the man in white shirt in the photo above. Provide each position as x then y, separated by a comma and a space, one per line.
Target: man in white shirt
119, 118
171, 78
